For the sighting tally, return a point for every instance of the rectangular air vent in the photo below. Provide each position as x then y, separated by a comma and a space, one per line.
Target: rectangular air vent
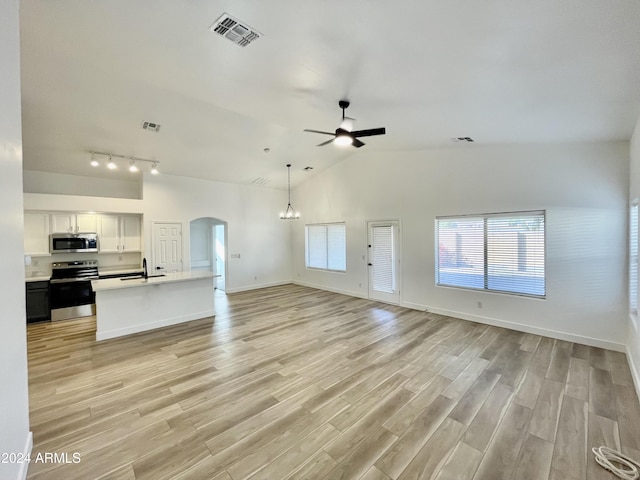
260, 181
232, 29
151, 127
462, 139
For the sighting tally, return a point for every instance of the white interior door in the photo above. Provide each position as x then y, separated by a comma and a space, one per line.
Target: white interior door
384, 263
167, 247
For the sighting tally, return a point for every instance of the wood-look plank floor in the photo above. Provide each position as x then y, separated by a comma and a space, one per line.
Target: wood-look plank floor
290, 383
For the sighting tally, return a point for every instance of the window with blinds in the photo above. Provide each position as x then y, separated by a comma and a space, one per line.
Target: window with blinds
326, 247
496, 252
383, 275
633, 258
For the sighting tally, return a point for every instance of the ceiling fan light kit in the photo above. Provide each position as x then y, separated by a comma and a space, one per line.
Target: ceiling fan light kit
343, 135
289, 213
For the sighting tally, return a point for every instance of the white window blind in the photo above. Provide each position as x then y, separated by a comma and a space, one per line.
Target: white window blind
326, 247
497, 252
382, 275
633, 258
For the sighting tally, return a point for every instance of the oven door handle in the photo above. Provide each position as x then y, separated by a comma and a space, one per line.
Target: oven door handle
73, 280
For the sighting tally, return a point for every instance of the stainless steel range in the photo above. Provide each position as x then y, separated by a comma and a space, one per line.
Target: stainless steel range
71, 293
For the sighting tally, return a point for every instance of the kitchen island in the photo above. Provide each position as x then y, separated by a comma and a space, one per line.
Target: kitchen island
136, 304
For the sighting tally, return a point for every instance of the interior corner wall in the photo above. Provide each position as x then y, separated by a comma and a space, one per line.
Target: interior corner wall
582, 188
633, 342
258, 242
14, 395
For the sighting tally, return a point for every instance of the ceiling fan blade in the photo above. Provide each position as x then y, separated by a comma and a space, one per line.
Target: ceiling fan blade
319, 131
369, 133
357, 143
325, 143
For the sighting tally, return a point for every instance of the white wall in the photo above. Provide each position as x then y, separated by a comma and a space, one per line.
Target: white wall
14, 396
62, 184
582, 187
68, 202
254, 230
633, 346
201, 248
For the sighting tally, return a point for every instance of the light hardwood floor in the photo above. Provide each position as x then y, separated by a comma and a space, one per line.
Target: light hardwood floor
291, 383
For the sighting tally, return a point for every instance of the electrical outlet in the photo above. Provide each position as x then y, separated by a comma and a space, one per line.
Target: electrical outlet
255, 278
360, 285
479, 304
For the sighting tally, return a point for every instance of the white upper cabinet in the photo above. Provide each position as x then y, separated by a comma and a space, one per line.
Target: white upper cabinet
119, 233
36, 234
74, 223
87, 222
108, 233
130, 233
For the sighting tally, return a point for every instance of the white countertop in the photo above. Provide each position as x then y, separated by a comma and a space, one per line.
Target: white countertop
118, 283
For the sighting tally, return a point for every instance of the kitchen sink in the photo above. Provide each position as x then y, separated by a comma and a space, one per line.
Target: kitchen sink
138, 277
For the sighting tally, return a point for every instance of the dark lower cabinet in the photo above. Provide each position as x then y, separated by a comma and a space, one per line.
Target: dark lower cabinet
38, 307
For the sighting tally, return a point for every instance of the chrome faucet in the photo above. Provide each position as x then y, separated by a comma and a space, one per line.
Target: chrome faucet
145, 273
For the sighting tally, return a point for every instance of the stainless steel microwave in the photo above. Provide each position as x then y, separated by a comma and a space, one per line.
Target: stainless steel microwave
73, 242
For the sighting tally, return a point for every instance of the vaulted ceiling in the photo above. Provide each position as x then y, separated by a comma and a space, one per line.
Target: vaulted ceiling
499, 71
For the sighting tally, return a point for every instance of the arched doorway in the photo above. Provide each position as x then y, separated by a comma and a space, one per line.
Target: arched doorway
208, 240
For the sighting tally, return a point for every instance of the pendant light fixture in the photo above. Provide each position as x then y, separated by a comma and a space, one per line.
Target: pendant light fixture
289, 213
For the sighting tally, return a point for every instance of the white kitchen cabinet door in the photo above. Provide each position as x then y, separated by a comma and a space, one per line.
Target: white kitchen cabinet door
130, 233
63, 223
87, 222
109, 233
36, 233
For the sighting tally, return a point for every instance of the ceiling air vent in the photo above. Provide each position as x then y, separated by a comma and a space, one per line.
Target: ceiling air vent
260, 181
238, 32
462, 139
151, 127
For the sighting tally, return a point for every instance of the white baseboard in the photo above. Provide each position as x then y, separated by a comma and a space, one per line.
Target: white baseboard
414, 306
520, 327
570, 337
119, 332
635, 370
24, 467
246, 288
334, 290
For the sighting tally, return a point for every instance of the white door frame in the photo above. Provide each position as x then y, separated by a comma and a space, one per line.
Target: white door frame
226, 252
394, 298
153, 265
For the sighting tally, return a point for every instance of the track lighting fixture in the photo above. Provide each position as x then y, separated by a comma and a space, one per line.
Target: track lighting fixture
133, 162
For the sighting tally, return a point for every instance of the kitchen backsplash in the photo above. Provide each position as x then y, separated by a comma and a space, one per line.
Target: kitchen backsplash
41, 266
